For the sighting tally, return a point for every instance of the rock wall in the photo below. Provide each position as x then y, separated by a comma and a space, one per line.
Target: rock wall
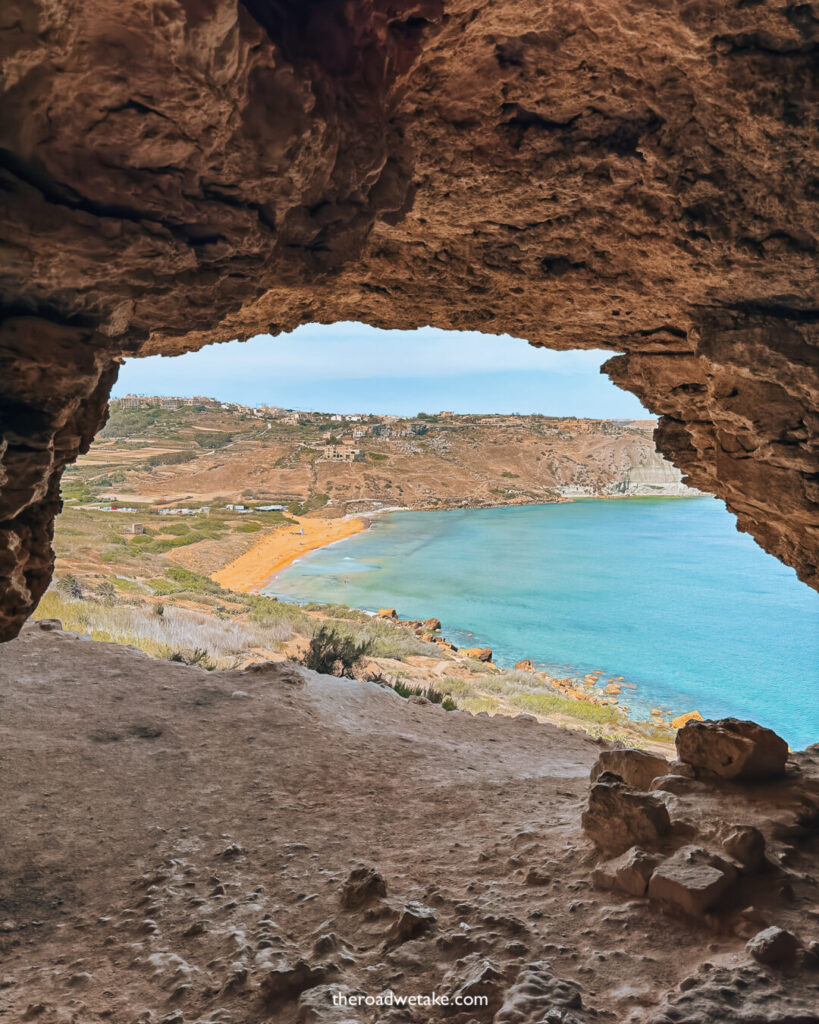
582, 174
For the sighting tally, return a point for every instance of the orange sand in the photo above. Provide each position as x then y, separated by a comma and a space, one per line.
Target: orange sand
275, 551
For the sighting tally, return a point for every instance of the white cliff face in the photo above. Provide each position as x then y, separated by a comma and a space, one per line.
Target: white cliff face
645, 474
651, 474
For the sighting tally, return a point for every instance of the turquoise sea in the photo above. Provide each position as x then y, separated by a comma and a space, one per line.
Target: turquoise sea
664, 592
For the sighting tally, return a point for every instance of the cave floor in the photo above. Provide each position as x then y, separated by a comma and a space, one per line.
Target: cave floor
174, 838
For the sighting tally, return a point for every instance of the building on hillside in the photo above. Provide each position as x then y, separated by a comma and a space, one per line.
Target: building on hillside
341, 453
168, 403
130, 402
446, 414
135, 528
270, 508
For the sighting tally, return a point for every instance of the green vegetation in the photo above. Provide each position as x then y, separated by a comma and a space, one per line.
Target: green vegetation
334, 653
313, 503
170, 459
432, 695
377, 456
510, 476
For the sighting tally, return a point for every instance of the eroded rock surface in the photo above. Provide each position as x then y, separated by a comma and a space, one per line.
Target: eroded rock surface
174, 855
581, 174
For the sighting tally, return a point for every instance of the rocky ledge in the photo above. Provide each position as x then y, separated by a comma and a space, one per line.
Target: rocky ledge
726, 834
638, 178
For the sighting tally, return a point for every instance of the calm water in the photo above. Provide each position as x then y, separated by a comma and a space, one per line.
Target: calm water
663, 592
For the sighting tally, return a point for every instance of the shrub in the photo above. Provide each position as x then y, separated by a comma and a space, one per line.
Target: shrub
107, 591
70, 586
431, 694
334, 653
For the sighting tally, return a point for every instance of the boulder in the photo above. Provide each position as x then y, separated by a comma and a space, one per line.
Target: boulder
693, 879
388, 613
628, 873
732, 749
478, 653
431, 625
617, 817
635, 767
773, 946
526, 665
689, 716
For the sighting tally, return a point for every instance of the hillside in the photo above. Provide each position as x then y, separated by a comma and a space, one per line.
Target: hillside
209, 452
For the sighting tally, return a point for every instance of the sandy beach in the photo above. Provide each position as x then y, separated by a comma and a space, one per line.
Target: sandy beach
276, 550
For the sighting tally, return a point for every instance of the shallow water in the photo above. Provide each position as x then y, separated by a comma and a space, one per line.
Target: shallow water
663, 592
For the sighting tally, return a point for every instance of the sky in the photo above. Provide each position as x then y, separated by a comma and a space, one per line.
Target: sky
350, 367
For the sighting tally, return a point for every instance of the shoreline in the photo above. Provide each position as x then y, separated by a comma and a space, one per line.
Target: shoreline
277, 550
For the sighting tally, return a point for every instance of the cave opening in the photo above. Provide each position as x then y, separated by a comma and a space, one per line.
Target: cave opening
345, 420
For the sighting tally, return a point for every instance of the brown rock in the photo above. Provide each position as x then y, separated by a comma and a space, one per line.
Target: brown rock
363, 885
774, 946
414, 920
617, 817
478, 653
526, 665
537, 995
689, 716
431, 625
693, 879
635, 767
732, 749
475, 976
428, 170
745, 844
388, 613
288, 981
628, 873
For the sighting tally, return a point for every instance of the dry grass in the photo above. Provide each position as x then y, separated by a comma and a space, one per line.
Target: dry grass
176, 631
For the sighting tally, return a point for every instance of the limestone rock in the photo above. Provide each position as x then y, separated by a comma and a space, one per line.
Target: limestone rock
526, 665
774, 946
363, 885
316, 1006
537, 995
414, 919
693, 879
388, 613
375, 199
627, 873
474, 976
431, 625
617, 817
689, 716
478, 653
732, 749
745, 844
288, 981
635, 767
